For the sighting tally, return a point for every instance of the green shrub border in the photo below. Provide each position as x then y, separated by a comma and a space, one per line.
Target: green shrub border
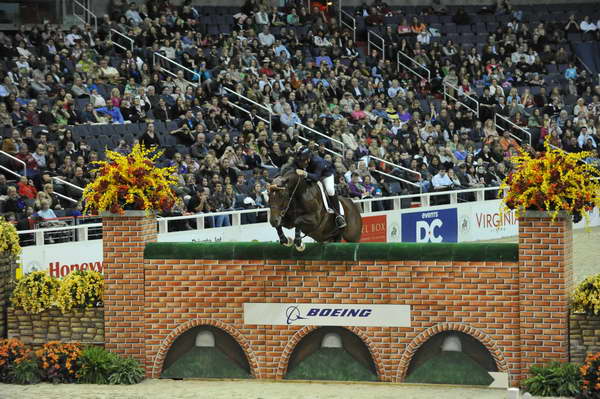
496, 252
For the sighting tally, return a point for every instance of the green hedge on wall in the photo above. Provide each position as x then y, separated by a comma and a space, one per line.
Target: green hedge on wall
335, 251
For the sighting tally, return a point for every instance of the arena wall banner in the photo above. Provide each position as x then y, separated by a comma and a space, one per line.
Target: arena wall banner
374, 229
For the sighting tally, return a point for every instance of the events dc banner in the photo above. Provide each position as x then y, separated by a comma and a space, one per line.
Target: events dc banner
440, 225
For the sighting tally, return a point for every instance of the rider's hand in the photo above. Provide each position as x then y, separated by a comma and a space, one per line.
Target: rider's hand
301, 172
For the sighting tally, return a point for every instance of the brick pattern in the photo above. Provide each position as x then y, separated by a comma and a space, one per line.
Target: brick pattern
584, 336
79, 325
479, 295
5, 277
545, 281
516, 309
124, 240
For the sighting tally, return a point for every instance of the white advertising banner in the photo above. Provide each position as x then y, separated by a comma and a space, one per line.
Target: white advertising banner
61, 259
321, 314
483, 221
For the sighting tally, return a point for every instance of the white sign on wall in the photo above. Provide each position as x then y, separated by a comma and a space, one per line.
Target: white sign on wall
321, 314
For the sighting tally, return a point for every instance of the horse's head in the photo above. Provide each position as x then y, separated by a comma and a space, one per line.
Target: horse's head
279, 199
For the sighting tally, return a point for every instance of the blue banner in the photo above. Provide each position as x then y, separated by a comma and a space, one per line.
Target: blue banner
431, 226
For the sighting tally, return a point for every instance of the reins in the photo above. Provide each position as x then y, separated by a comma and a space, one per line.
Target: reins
291, 198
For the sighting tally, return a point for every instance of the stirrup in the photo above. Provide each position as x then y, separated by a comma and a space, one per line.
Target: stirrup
340, 222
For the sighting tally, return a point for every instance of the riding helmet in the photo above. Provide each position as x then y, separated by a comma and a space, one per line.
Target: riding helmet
303, 153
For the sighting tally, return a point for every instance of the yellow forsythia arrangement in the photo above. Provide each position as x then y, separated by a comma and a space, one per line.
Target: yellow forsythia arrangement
80, 289
9, 239
586, 297
553, 182
35, 292
132, 182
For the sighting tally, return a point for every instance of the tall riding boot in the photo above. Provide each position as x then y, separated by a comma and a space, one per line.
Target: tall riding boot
340, 221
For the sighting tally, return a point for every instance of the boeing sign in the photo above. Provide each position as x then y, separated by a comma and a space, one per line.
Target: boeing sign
313, 314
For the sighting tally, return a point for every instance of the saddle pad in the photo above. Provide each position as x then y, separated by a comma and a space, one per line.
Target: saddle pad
324, 195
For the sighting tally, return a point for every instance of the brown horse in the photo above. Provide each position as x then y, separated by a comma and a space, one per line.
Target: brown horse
297, 203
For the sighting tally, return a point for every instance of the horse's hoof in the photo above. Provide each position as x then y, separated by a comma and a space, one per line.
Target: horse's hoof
301, 247
288, 243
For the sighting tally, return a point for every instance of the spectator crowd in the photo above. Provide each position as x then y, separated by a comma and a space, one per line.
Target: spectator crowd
66, 95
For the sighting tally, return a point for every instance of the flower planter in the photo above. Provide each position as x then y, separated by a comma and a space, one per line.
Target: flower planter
81, 325
7, 274
583, 335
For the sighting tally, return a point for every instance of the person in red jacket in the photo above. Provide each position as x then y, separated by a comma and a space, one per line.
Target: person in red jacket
26, 188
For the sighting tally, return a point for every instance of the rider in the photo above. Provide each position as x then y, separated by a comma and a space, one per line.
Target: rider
316, 168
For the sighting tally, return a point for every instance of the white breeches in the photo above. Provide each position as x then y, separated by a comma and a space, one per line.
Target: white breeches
329, 184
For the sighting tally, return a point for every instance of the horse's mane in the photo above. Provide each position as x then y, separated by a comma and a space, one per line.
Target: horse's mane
289, 179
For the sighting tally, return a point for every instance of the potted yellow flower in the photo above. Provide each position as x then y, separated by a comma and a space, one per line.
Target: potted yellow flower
130, 182
553, 182
9, 240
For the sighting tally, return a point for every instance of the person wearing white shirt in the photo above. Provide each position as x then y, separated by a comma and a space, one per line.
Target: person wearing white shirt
266, 38
45, 212
395, 89
587, 26
72, 37
261, 18
23, 64
516, 56
441, 181
584, 136
133, 15
495, 89
288, 118
321, 41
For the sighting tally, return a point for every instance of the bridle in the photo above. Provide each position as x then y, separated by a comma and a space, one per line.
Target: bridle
284, 212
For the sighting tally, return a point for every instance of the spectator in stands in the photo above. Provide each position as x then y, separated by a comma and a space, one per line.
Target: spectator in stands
149, 138
441, 181
26, 188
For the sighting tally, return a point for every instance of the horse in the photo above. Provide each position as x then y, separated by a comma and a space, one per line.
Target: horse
296, 203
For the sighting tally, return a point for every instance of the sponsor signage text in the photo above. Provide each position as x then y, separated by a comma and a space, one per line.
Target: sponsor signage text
321, 314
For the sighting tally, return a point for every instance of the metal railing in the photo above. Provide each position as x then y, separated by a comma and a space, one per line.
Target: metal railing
371, 43
87, 16
400, 167
61, 181
64, 197
310, 129
456, 98
12, 157
250, 113
261, 106
123, 36
165, 61
349, 22
513, 125
424, 73
10, 171
88, 231
344, 148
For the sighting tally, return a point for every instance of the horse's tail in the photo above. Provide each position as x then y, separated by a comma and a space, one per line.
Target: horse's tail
353, 229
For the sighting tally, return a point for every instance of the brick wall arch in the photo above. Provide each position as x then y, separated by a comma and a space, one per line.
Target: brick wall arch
165, 345
420, 339
297, 337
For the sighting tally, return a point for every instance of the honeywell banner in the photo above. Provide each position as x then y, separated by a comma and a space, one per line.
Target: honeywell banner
321, 314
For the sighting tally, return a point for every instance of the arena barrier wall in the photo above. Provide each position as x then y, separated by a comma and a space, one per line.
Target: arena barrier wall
512, 298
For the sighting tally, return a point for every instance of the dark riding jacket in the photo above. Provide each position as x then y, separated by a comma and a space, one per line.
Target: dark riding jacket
317, 168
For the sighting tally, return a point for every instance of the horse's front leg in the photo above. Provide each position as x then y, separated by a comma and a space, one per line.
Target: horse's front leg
298, 240
283, 239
